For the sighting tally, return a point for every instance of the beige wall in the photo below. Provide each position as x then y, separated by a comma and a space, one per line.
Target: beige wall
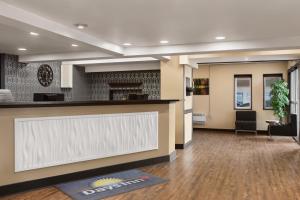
171, 79
219, 106
166, 139
172, 88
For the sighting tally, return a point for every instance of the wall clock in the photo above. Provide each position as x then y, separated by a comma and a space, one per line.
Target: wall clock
45, 75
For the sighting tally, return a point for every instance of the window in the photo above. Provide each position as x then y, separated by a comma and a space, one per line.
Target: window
269, 79
243, 92
294, 92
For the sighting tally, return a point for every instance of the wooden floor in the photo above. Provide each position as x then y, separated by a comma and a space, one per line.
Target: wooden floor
218, 166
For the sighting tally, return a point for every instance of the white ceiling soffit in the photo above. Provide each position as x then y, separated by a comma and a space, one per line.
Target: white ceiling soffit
111, 61
266, 44
205, 48
20, 15
246, 56
162, 58
64, 57
185, 60
132, 66
256, 58
246, 53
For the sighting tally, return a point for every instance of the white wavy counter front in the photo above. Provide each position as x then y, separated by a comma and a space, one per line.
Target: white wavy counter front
50, 141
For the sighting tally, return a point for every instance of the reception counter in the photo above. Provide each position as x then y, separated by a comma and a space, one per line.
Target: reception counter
51, 142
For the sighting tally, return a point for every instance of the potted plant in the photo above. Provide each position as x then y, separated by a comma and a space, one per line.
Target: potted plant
280, 102
280, 99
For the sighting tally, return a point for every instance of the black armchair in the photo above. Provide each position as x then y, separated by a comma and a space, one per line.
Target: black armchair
289, 129
245, 121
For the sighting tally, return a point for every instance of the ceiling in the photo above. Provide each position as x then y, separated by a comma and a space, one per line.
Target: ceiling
190, 26
145, 23
14, 35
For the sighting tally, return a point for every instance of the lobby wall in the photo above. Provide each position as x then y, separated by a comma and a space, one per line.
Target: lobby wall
172, 87
218, 106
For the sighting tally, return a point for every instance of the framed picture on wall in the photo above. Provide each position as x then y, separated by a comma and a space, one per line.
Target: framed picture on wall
269, 79
201, 86
243, 92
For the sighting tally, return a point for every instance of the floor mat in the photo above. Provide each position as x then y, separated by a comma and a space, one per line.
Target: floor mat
100, 187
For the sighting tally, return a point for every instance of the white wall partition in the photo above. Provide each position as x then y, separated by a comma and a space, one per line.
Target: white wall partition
188, 105
50, 141
294, 96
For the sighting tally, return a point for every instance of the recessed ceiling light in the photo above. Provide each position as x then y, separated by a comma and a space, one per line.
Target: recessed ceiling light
74, 45
127, 44
164, 41
81, 26
220, 38
22, 49
34, 33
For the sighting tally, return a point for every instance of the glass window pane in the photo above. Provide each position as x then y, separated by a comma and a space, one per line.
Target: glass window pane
268, 82
243, 94
296, 86
294, 94
293, 86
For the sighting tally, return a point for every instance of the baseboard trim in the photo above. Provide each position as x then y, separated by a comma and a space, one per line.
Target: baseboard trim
188, 111
179, 146
262, 132
215, 129
183, 146
49, 181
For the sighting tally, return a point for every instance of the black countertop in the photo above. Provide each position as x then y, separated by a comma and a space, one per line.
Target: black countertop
81, 103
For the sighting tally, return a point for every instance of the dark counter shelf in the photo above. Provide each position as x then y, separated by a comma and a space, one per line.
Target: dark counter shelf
81, 103
126, 89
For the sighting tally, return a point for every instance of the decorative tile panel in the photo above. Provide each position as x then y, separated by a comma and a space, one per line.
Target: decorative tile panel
100, 87
22, 80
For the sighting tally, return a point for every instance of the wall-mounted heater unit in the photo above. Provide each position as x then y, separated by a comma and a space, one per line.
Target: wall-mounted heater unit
199, 118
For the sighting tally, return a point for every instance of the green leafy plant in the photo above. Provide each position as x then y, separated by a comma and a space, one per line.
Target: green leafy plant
280, 98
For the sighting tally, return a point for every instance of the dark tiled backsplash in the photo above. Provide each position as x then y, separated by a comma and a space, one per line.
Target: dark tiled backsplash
100, 83
21, 79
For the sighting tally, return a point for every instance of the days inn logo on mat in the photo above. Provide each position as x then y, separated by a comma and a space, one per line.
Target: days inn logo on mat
109, 184
100, 187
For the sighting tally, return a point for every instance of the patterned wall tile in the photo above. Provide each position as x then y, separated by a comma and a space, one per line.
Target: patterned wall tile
100, 83
22, 80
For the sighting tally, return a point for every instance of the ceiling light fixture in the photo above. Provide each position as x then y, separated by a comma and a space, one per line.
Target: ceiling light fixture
74, 45
164, 41
81, 26
220, 38
22, 49
34, 33
127, 44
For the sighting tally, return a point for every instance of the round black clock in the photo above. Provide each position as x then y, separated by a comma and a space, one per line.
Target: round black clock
45, 75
